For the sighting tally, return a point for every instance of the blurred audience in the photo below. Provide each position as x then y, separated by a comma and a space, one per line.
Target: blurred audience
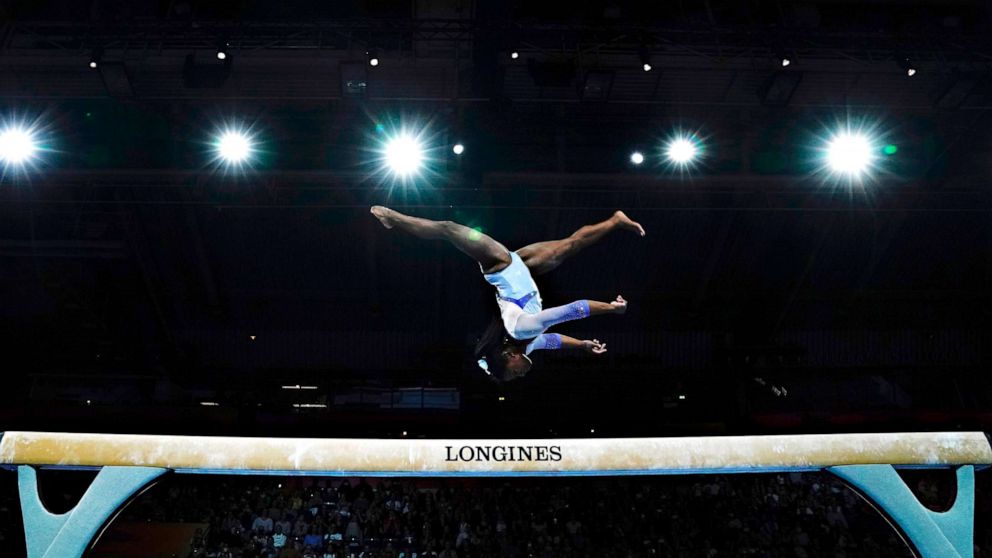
761, 516
793, 515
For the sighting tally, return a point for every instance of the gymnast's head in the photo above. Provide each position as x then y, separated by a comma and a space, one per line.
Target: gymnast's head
500, 356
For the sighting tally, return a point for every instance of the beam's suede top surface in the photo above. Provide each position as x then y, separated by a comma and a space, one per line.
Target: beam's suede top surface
488, 457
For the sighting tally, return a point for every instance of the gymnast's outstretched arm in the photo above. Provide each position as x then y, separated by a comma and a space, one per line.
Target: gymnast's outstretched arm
555, 341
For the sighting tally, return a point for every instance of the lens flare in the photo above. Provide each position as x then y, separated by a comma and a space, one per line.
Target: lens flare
234, 147
681, 151
17, 146
850, 153
25, 145
404, 155
853, 151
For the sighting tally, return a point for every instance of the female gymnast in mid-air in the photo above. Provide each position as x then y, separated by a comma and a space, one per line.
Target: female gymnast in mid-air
522, 321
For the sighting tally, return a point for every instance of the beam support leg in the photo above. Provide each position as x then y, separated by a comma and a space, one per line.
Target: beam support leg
949, 534
68, 535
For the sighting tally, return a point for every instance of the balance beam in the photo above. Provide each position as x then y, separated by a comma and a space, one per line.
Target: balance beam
406, 457
130, 463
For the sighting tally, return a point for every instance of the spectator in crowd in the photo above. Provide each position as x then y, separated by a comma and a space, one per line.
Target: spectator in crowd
262, 523
353, 532
313, 539
279, 539
284, 523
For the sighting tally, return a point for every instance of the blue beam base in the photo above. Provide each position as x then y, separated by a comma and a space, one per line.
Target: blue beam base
69, 535
949, 534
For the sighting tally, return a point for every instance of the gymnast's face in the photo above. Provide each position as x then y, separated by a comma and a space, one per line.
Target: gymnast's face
517, 363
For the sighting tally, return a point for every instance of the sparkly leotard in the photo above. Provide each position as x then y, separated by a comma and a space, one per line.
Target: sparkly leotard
520, 306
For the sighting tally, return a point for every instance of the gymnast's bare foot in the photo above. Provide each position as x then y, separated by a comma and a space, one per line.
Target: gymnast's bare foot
384, 215
628, 223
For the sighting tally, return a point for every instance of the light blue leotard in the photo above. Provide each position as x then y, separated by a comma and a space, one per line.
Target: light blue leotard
520, 306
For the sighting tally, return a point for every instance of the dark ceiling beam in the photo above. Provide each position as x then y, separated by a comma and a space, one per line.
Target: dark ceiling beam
329, 179
723, 41
80, 249
647, 196
716, 90
973, 189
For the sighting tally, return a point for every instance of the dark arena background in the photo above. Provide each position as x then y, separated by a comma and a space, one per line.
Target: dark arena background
187, 248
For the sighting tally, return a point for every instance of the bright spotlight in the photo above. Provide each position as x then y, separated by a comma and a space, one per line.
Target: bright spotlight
906, 63
514, 55
221, 55
681, 150
17, 146
234, 147
458, 149
786, 62
645, 57
637, 157
849, 153
404, 155
95, 57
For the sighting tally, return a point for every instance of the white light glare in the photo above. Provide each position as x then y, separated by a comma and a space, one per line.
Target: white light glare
404, 155
514, 55
374, 61
93, 64
234, 147
458, 149
17, 145
221, 55
647, 67
681, 151
637, 157
786, 62
911, 72
849, 153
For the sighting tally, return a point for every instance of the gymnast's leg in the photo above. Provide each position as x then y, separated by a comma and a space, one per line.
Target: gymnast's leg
491, 255
542, 257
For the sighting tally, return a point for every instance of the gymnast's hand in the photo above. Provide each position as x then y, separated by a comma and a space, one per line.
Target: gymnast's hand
619, 305
594, 346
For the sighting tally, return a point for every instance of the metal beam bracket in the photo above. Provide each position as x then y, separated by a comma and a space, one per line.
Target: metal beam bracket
948, 534
69, 535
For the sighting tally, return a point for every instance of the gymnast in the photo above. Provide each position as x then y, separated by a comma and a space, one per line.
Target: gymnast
520, 325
